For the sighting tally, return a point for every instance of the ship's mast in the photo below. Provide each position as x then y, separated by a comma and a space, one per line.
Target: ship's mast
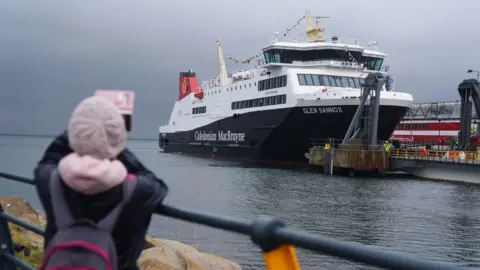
222, 70
314, 32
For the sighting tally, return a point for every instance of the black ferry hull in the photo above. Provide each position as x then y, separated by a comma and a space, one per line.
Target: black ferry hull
274, 135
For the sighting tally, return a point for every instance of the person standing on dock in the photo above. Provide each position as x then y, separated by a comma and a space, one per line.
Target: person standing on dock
92, 165
386, 146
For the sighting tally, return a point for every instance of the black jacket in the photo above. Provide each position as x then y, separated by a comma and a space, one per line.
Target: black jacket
133, 222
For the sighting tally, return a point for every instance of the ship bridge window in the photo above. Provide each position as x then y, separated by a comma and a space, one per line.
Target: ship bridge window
199, 110
289, 56
372, 63
286, 56
259, 102
272, 83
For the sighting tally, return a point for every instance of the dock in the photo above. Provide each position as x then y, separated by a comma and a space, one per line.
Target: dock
453, 165
352, 156
360, 151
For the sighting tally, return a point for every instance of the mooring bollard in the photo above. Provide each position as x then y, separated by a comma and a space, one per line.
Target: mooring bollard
328, 161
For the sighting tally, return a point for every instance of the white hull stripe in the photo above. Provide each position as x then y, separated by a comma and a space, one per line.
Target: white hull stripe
426, 132
430, 121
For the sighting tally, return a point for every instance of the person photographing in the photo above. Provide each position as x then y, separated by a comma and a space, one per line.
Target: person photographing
97, 196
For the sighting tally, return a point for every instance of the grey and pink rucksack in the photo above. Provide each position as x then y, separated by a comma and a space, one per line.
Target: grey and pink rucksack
82, 244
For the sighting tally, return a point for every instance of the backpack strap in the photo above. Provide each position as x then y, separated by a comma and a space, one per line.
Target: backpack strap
108, 222
61, 210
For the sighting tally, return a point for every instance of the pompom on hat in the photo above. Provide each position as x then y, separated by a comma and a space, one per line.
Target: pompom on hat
97, 129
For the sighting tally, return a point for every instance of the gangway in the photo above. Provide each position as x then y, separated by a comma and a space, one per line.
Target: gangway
364, 124
469, 91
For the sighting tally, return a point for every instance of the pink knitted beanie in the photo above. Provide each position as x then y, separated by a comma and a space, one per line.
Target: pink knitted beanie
97, 128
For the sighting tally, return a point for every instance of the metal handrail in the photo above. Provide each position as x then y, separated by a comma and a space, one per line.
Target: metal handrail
454, 156
272, 236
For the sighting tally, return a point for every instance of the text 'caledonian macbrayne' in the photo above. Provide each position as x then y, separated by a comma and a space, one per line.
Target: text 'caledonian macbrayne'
220, 135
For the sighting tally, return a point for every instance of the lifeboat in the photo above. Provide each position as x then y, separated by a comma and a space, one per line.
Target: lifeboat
199, 94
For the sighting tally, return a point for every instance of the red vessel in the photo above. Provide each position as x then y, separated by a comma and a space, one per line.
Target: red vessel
434, 123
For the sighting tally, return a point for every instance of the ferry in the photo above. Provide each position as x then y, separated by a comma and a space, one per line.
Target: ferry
298, 90
434, 123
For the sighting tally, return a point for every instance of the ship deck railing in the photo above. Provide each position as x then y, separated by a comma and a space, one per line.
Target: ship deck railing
276, 240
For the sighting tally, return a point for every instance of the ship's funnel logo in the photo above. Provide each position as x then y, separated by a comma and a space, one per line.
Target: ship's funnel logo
184, 85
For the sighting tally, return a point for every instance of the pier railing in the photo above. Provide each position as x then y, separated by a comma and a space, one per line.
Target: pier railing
334, 143
276, 240
367, 143
413, 151
455, 156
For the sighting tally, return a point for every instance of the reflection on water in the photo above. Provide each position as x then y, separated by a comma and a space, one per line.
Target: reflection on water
437, 220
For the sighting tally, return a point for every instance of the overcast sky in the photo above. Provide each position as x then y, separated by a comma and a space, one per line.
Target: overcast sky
54, 53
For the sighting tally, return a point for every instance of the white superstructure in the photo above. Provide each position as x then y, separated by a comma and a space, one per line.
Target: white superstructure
320, 71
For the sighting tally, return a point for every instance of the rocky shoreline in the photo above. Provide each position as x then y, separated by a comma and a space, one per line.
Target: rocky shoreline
158, 254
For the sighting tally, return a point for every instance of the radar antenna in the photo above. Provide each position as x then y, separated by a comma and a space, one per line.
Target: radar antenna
314, 33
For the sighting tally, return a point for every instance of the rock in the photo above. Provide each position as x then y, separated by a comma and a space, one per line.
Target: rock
158, 254
176, 255
179, 247
159, 258
205, 261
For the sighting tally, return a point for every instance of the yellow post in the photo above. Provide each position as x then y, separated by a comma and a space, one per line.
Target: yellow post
282, 258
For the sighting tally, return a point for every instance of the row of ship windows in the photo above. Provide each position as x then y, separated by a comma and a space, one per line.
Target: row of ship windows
290, 56
199, 110
250, 103
272, 83
259, 102
230, 89
303, 79
416, 126
327, 80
